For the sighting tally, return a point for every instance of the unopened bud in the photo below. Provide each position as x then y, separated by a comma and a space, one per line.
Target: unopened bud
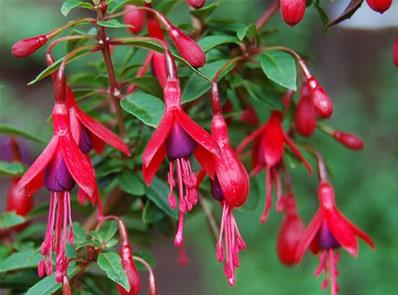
134, 18
292, 11
379, 5
28, 46
196, 3
351, 141
323, 105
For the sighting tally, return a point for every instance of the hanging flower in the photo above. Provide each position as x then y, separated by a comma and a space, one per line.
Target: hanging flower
178, 137
330, 230
293, 11
268, 149
196, 3
230, 186
379, 5
320, 99
58, 167
134, 18
305, 117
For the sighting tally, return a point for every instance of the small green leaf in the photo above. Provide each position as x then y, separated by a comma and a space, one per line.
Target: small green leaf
203, 12
105, 233
210, 42
111, 264
157, 193
15, 131
131, 183
112, 23
246, 32
10, 219
145, 107
280, 67
11, 168
48, 285
68, 5
151, 214
20, 260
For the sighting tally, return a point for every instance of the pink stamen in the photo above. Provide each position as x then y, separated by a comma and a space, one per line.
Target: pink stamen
333, 273
328, 261
279, 203
170, 177
182, 255
179, 238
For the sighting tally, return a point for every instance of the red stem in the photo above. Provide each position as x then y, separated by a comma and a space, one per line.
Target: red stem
267, 14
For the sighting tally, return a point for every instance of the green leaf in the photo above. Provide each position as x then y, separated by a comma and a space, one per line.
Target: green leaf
203, 12
112, 23
196, 86
145, 107
11, 168
158, 193
151, 214
105, 233
10, 219
48, 285
20, 260
131, 183
280, 67
246, 32
111, 264
210, 42
15, 131
53, 67
68, 5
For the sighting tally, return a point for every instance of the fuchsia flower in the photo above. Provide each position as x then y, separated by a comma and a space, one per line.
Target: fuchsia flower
134, 18
330, 230
249, 116
268, 149
178, 137
60, 165
196, 3
293, 11
379, 5
290, 231
323, 105
350, 140
395, 52
28, 46
305, 117
230, 186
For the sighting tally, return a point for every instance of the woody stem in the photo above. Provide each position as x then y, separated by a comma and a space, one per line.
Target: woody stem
267, 14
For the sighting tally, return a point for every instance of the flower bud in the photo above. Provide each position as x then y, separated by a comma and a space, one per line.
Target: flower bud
292, 11
379, 5
289, 235
323, 105
28, 46
187, 47
249, 116
196, 3
154, 28
126, 254
159, 68
134, 18
351, 141
395, 52
305, 118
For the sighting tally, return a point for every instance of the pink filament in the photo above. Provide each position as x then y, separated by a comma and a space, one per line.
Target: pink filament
229, 244
56, 235
187, 194
328, 266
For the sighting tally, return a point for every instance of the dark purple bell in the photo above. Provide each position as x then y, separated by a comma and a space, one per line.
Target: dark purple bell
179, 143
85, 142
216, 190
57, 176
326, 239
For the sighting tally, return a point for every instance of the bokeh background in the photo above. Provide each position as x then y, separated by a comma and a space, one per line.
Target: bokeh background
354, 63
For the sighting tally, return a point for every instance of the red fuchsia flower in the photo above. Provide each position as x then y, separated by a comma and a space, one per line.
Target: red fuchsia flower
268, 149
290, 231
395, 52
28, 46
230, 185
60, 165
330, 230
305, 117
134, 18
196, 3
178, 137
351, 141
249, 116
292, 11
379, 5
323, 105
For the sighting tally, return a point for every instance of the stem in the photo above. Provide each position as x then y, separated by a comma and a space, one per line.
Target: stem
152, 288
298, 58
66, 38
322, 170
16, 151
267, 14
71, 24
114, 92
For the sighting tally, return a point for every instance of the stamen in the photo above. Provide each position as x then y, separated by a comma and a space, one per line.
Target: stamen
170, 177
179, 238
277, 179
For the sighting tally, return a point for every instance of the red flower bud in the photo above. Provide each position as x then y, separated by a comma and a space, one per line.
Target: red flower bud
154, 28
196, 3
126, 254
19, 201
305, 118
187, 47
293, 11
249, 116
159, 68
395, 52
323, 105
28, 46
134, 18
351, 141
379, 5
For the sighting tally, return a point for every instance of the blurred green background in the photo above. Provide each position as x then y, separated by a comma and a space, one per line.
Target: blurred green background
356, 68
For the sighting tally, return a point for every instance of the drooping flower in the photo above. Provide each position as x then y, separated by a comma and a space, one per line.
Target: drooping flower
178, 137
323, 105
268, 149
330, 230
196, 3
230, 185
292, 11
249, 116
350, 140
28, 46
134, 18
59, 166
379, 5
305, 117
290, 231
